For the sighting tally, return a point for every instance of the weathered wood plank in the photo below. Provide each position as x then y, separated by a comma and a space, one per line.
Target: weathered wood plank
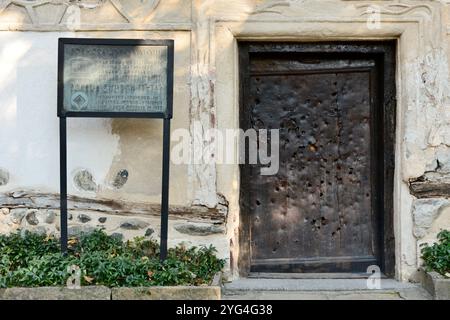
428, 189
38, 200
431, 185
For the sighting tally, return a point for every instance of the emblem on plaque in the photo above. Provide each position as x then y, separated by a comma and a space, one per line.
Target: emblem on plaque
79, 101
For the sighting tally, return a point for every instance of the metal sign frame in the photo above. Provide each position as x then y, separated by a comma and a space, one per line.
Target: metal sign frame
166, 116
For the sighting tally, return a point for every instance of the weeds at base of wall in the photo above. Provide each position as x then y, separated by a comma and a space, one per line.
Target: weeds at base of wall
32, 260
436, 257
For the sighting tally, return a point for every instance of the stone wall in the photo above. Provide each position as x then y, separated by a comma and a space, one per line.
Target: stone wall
38, 212
115, 162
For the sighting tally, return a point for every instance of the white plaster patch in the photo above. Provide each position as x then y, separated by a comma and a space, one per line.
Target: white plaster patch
91, 145
427, 119
29, 124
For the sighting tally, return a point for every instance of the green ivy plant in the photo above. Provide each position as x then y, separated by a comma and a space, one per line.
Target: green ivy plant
436, 257
32, 260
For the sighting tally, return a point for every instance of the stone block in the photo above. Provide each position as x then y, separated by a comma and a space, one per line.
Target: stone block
425, 211
167, 293
57, 293
199, 229
31, 217
77, 230
134, 224
17, 215
49, 216
437, 285
84, 218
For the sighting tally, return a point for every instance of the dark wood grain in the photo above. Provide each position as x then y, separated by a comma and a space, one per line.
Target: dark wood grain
427, 189
325, 210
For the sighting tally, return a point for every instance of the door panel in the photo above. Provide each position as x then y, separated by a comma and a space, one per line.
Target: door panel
321, 212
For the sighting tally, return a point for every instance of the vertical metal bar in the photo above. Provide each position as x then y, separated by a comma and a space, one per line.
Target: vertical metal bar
63, 181
165, 189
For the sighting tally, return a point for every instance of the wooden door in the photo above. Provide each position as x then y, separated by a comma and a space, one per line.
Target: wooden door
323, 211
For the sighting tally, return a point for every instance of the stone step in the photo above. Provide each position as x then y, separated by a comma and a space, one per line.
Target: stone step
251, 284
406, 294
321, 289
272, 275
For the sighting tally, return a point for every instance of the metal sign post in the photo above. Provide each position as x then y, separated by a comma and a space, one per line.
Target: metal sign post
115, 78
63, 181
165, 190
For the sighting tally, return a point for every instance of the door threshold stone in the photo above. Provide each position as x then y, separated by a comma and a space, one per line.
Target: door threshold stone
274, 275
252, 284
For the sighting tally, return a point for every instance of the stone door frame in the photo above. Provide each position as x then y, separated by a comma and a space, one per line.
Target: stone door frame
416, 31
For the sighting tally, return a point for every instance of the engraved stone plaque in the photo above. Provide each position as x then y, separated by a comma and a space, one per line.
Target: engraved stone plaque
115, 78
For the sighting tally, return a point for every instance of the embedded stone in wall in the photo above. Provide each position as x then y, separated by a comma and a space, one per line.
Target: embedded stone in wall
31, 217
134, 224
17, 215
84, 218
198, 229
49, 216
18, 193
102, 219
149, 232
77, 230
117, 236
120, 179
5, 211
84, 180
41, 230
425, 211
4, 177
